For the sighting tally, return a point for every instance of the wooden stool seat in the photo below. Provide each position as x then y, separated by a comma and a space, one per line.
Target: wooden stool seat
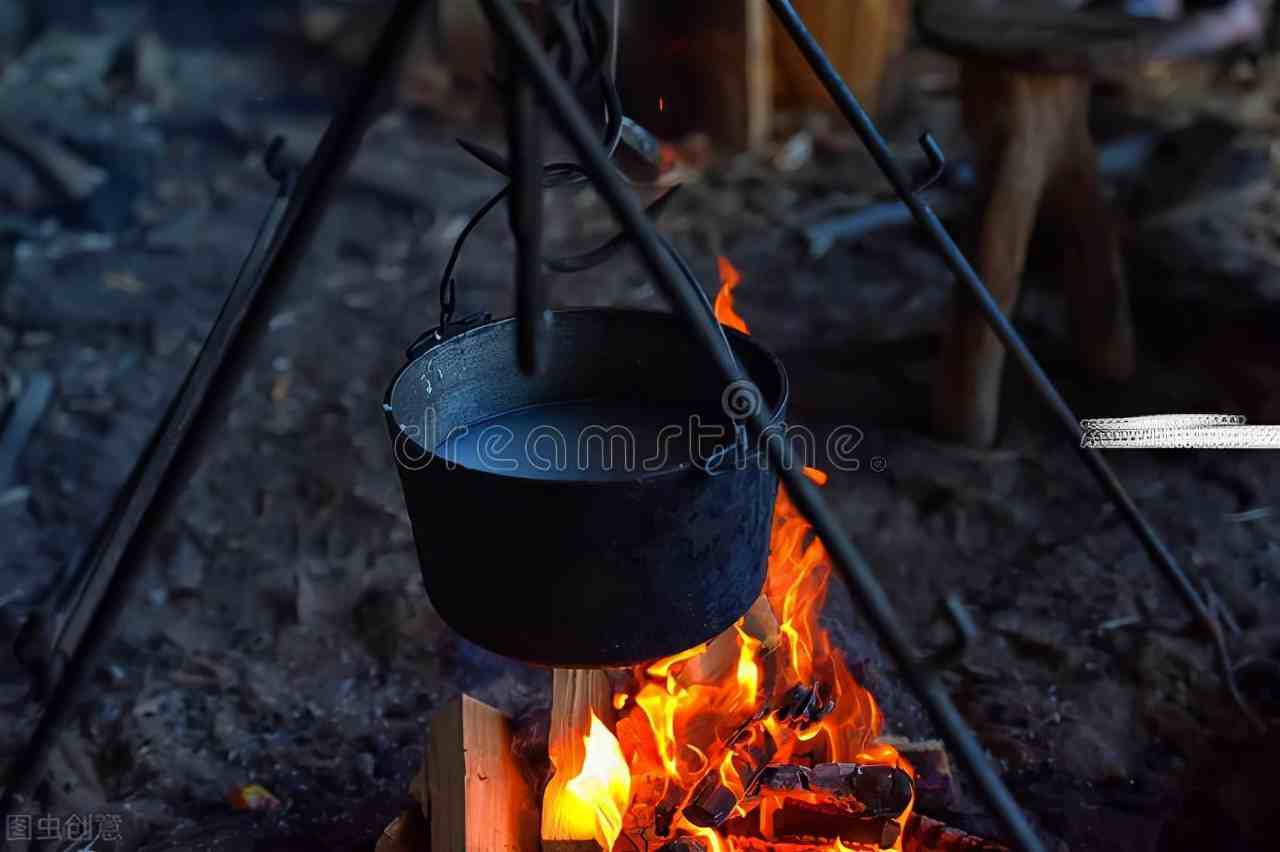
1042, 35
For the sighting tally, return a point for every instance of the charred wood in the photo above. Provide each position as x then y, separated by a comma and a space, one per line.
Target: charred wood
664, 815
803, 821
872, 791
929, 760
929, 835
806, 705
820, 824
683, 844
713, 802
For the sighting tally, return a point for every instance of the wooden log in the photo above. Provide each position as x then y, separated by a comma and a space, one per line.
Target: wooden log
869, 790
684, 844
406, 833
699, 67
575, 695
934, 780
479, 801
797, 820
861, 37
468, 46
721, 657
712, 802
922, 834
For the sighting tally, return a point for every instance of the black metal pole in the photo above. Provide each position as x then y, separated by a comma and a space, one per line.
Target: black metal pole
965, 274
524, 129
924, 679
198, 409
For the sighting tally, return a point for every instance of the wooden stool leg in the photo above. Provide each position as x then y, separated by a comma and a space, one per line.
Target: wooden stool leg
1019, 136
1092, 269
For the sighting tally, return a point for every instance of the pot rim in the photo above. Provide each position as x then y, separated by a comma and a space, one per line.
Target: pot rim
398, 431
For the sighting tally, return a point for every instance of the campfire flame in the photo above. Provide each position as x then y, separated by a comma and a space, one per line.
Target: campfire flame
594, 801
730, 278
686, 721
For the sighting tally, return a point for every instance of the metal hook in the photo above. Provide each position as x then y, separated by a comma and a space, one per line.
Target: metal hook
937, 160
966, 630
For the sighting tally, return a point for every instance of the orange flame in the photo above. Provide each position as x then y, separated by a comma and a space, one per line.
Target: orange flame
684, 720
729, 279
593, 802
676, 730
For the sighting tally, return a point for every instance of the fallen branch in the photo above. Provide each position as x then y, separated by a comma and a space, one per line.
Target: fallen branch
58, 166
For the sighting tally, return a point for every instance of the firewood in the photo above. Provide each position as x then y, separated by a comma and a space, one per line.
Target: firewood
928, 835
797, 820
407, 833
721, 657
575, 695
761, 623
699, 68
479, 801
799, 830
862, 39
665, 813
934, 778
712, 802
880, 790
867, 790
684, 844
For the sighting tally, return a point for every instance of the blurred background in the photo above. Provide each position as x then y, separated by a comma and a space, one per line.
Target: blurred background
281, 635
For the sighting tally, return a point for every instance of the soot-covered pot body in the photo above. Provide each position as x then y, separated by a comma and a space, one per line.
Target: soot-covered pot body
578, 573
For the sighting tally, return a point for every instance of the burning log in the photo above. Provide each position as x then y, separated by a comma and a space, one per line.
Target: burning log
803, 821
478, 796
665, 813
713, 801
932, 767
579, 698
407, 833
877, 791
858, 804
803, 706
684, 844
718, 661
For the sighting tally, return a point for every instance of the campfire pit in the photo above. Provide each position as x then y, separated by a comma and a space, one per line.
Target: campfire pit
702, 751
755, 737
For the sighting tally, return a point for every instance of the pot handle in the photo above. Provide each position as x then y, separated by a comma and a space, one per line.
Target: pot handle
449, 328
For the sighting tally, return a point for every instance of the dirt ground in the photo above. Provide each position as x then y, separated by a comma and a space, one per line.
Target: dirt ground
281, 635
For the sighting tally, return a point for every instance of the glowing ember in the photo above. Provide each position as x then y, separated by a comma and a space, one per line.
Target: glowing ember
593, 802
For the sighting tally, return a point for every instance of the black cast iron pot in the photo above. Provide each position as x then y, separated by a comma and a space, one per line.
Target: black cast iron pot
579, 572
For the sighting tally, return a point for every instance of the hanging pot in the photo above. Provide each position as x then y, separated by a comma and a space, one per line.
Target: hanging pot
554, 558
